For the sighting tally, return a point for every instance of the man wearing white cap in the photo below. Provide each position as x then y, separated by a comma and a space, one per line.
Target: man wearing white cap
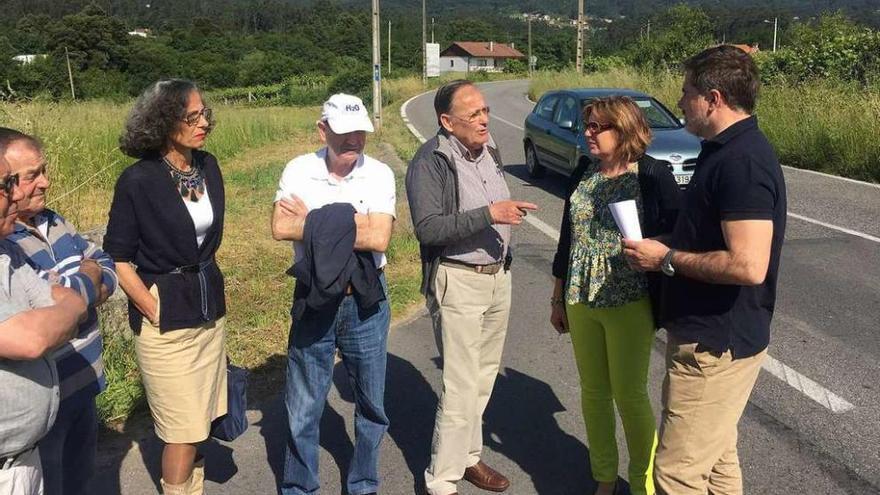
339, 172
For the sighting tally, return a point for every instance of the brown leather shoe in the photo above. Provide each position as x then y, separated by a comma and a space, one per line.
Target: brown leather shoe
486, 478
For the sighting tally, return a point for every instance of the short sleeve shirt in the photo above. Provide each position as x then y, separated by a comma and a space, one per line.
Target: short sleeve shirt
29, 394
737, 177
369, 188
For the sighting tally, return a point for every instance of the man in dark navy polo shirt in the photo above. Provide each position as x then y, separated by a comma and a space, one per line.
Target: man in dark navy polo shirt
722, 259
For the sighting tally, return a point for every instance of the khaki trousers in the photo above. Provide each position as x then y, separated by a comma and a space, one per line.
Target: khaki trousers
704, 394
470, 312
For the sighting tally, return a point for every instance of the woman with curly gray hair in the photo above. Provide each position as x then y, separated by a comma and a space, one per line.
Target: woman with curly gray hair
165, 226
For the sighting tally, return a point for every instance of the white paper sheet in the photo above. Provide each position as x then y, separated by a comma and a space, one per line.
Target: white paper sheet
626, 215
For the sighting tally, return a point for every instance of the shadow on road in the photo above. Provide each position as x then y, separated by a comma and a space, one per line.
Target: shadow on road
115, 445
520, 424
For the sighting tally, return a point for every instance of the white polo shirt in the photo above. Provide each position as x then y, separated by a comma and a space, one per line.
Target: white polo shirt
369, 188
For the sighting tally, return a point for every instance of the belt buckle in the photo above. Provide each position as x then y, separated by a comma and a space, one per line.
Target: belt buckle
479, 268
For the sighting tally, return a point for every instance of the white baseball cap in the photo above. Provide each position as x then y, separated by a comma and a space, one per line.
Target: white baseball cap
346, 113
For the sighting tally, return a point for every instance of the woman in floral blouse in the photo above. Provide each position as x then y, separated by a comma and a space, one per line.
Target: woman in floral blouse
603, 303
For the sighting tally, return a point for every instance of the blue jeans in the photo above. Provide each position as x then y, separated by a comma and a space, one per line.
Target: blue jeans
67, 452
361, 335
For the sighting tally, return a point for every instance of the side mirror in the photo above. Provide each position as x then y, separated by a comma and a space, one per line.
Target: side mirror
566, 124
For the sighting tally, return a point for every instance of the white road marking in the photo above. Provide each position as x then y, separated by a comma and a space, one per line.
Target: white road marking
835, 227
511, 124
797, 381
808, 387
542, 226
837, 177
406, 121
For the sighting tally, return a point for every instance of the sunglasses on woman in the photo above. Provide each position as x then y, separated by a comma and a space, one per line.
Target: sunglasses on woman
596, 127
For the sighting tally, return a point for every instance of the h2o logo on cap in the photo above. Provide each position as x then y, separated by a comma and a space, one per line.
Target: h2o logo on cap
353, 108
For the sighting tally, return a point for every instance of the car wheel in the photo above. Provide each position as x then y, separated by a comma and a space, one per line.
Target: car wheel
533, 166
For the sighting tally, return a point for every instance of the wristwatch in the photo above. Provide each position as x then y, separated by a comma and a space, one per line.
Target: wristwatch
666, 265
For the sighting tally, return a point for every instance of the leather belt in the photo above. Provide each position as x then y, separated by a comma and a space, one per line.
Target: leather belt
490, 269
9, 461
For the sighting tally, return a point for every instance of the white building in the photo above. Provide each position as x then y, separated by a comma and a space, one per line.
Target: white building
466, 56
28, 59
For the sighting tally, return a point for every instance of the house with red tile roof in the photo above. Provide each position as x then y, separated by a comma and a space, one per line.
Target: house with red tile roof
466, 56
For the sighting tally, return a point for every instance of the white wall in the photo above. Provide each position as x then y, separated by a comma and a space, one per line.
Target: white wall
453, 64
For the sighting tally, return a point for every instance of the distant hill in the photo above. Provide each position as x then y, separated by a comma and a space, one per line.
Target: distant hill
864, 10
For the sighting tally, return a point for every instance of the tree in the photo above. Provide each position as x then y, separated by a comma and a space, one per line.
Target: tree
7, 66
93, 39
676, 34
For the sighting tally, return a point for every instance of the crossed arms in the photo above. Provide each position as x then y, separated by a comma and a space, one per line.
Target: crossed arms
289, 218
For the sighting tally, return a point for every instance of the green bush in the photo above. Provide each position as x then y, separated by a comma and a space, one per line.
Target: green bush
831, 47
514, 66
354, 81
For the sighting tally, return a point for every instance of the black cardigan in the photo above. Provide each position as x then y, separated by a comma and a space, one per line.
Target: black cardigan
150, 226
661, 200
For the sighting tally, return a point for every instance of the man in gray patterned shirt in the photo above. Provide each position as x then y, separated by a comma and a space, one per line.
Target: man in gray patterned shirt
462, 214
35, 318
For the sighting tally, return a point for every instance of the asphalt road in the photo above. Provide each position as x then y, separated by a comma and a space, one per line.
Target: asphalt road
825, 328
812, 425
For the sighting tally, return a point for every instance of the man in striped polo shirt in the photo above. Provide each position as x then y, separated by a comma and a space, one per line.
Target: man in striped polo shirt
61, 256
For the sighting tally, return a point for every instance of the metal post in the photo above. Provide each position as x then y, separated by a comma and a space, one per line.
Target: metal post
649, 31
432, 30
530, 47
377, 69
775, 25
69, 74
388, 71
424, 48
580, 38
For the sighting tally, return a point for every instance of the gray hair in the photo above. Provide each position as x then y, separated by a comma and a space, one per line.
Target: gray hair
155, 116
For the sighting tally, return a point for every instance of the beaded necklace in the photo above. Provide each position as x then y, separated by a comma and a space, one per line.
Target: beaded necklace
190, 184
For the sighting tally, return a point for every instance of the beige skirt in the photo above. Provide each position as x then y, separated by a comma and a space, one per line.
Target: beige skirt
184, 375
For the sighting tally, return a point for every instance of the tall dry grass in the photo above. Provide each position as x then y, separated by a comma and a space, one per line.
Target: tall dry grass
824, 125
81, 142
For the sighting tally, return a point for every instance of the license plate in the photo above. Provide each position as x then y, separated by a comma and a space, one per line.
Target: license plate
682, 179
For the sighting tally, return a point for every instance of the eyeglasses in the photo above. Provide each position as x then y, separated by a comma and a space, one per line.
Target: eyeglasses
596, 127
470, 119
193, 118
9, 183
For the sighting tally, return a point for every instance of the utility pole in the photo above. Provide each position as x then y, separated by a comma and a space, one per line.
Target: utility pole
377, 69
69, 73
580, 38
424, 48
530, 46
388, 71
775, 26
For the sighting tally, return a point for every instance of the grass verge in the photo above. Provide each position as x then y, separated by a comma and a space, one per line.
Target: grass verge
828, 126
252, 145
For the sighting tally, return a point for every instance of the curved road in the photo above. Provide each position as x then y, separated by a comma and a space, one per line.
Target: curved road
813, 423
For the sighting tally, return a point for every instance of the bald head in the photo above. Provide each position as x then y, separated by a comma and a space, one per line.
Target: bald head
11, 136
